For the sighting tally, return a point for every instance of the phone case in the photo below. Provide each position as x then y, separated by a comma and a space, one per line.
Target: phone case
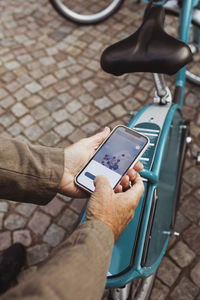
135, 161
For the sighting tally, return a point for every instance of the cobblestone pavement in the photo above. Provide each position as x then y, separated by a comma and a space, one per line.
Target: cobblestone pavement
53, 92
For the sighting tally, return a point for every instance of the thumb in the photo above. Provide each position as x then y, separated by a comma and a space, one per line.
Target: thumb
98, 138
102, 185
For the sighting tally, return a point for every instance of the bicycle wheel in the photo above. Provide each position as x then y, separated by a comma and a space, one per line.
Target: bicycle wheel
63, 8
193, 69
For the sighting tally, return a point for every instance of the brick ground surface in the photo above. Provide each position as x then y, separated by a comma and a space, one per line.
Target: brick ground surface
53, 92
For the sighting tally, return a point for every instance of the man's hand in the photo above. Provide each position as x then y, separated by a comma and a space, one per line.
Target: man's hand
115, 209
76, 156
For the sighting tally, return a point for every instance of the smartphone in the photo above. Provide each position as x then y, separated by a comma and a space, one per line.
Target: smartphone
119, 152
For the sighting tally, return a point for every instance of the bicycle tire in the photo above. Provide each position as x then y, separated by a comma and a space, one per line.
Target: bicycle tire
80, 19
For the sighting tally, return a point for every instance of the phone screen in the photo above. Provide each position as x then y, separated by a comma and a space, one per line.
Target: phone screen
113, 158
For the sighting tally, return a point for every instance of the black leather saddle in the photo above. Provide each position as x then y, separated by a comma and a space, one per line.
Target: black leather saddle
149, 49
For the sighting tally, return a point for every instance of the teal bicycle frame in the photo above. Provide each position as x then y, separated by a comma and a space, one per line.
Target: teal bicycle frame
119, 274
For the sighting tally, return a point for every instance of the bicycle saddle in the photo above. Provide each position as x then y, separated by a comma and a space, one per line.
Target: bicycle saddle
149, 49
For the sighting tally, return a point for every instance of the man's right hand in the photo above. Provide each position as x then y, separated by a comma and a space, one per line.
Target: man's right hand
115, 209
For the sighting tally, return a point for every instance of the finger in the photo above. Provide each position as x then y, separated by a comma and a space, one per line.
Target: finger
118, 188
131, 173
125, 181
138, 166
137, 188
98, 138
102, 184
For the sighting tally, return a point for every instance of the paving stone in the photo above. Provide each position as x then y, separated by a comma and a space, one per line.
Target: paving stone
104, 118
3, 206
23, 237
78, 118
6, 102
14, 221
46, 61
195, 274
54, 235
21, 94
185, 290
33, 101
118, 111
181, 222
86, 98
102, 103
191, 209
54, 207
185, 189
168, 272
73, 106
11, 65
61, 74
39, 113
52, 104
5, 240
27, 120
78, 204
68, 220
90, 128
191, 100
182, 254
64, 129
33, 87
48, 80
13, 87
37, 254
15, 129
33, 132
127, 90
39, 223
50, 139
197, 194
90, 110
192, 176
24, 58
131, 104
19, 109
192, 238
3, 93
26, 209
62, 86
60, 115
116, 96
47, 123
7, 119
160, 291
77, 135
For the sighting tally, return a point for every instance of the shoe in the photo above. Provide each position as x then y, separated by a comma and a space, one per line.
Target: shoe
11, 262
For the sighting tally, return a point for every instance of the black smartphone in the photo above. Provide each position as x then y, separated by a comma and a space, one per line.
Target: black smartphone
119, 152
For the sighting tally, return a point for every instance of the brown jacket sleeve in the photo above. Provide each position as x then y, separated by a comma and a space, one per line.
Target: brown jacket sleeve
29, 173
77, 271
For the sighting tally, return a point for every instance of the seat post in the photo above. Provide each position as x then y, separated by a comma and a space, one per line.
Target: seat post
162, 93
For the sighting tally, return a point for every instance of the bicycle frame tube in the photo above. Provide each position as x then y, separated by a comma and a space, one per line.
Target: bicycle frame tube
184, 33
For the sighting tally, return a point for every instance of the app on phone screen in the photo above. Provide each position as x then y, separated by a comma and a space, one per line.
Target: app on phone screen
113, 159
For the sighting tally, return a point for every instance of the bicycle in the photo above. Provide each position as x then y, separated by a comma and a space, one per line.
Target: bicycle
140, 248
